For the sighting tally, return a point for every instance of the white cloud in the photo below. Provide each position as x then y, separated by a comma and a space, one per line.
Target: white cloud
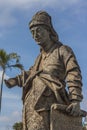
6, 18
5, 76
8, 121
27, 4
16, 114
61, 5
84, 104
4, 119
11, 96
84, 101
9, 7
14, 117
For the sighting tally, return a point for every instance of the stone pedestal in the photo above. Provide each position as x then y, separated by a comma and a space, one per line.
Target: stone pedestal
61, 121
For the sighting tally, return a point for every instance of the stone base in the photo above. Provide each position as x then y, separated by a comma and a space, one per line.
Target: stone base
61, 121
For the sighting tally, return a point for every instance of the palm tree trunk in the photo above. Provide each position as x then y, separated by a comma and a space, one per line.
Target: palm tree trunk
1, 88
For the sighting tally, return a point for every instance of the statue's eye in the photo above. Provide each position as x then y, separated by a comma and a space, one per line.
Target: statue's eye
38, 29
32, 31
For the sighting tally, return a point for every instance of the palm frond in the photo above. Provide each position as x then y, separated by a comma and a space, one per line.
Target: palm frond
14, 56
5, 62
3, 58
19, 66
2, 55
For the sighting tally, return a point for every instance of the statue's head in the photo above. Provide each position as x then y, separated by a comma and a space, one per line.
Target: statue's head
42, 18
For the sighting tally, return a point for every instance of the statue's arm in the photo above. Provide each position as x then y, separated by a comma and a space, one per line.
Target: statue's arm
74, 80
73, 74
19, 80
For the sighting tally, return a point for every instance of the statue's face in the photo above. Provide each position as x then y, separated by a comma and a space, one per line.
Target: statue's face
40, 34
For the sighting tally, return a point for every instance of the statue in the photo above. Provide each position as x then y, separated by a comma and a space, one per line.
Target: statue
44, 84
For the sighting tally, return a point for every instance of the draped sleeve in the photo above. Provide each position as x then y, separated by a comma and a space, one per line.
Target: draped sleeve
72, 73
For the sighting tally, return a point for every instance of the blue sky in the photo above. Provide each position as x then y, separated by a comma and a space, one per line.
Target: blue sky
69, 19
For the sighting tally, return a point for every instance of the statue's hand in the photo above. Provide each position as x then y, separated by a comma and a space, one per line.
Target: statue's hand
74, 108
7, 83
11, 82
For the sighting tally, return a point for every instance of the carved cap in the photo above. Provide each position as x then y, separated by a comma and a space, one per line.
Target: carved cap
43, 18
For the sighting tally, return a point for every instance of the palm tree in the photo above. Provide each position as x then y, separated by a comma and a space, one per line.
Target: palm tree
6, 61
18, 126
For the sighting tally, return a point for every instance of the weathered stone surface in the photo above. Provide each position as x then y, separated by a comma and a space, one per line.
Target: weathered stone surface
61, 121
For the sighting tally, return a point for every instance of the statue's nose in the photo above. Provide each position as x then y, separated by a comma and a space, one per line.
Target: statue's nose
36, 35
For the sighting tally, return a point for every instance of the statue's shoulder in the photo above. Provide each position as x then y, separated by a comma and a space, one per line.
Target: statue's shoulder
65, 49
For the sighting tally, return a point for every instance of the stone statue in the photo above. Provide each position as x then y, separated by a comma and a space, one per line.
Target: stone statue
44, 84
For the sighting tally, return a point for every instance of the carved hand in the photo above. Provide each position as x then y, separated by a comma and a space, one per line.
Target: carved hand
7, 83
10, 82
74, 108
